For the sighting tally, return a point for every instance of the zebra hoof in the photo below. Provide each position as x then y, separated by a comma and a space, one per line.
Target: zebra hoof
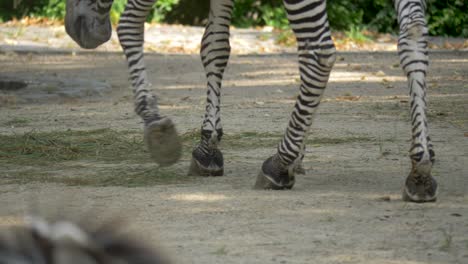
420, 189
206, 165
164, 144
273, 177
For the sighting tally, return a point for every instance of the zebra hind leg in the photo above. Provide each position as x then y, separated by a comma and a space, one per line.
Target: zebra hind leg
207, 159
308, 19
420, 186
160, 135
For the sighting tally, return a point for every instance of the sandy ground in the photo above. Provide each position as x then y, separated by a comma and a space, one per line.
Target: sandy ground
21, 36
346, 209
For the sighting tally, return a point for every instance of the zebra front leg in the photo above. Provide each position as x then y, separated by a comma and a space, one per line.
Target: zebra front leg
207, 159
308, 19
161, 136
420, 186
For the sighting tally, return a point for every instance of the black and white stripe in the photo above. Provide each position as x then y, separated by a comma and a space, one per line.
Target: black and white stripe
308, 19
131, 35
214, 52
412, 49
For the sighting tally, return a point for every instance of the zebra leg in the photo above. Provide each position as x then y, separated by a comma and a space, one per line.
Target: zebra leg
161, 136
308, 19
420, 186
207, 159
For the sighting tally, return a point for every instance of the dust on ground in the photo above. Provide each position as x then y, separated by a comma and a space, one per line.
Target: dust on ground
88, 156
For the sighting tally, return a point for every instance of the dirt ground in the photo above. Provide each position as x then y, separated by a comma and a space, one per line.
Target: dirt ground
346, 209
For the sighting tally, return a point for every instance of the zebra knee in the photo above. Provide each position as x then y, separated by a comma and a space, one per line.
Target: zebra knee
412, 21
327, 57
324, 56
416, 30
215, 49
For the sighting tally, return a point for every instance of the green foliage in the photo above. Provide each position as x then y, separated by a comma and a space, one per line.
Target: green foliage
274, 16
54, 9
355, 33
445, 17
448, 17
117, 8
186, 12
344, 14
158, 14
249, 13
161, 9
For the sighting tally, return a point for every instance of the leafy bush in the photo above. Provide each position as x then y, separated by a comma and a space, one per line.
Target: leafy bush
187, 12
117, 8
160, 10
249, 13
445, 17
448, 17
344, 14
54, 9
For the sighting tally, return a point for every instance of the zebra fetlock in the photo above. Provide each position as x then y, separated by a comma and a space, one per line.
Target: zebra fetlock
420, 186
207, 159
209, 163
274, 175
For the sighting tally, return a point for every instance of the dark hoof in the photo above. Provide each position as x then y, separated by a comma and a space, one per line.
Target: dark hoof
163, 142
273, 176
206, 165
420, 189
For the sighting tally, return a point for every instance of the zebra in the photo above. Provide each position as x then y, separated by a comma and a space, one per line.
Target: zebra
87, 22
62, 241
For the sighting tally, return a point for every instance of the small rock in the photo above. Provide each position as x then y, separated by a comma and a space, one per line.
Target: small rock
384, 199
380, 73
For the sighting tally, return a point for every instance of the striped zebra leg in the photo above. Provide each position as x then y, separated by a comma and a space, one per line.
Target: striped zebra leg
420, 186
308, 19
160, 134
207, 159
